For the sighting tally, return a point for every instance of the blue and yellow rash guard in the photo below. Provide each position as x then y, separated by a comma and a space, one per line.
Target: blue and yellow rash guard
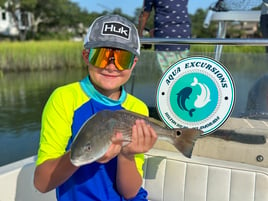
65, 112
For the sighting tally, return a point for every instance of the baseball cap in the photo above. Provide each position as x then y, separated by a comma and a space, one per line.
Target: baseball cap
113, 31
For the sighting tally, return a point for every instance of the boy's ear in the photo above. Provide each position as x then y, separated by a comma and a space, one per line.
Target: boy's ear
135, 62
85, 54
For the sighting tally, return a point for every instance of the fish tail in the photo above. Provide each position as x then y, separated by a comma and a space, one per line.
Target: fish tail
185, 140
191, 112
195, 82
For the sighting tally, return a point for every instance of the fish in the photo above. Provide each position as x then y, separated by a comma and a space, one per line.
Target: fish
181, 99
96, 134
204, 97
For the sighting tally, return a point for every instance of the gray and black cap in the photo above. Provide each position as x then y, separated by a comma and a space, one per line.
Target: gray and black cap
113, 31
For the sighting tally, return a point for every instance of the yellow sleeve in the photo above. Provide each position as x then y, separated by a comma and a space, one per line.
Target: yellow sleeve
139, 159
57, 121
55, 129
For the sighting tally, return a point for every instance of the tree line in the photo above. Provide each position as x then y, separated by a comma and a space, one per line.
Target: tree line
63, 19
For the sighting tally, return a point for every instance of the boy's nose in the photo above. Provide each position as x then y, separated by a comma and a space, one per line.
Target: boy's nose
111, 64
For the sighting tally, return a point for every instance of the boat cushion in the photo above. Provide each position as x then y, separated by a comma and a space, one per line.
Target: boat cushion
169, 176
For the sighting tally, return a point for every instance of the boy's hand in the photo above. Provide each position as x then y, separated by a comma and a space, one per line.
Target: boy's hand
113, 150
143, 139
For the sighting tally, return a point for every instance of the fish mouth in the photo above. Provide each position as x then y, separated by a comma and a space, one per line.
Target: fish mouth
79, 162
76, 163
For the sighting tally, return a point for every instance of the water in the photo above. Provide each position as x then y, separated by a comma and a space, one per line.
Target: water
23, 96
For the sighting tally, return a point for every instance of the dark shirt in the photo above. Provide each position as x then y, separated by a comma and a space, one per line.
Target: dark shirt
171, 20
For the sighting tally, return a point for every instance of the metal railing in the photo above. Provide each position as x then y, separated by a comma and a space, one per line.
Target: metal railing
219, 42
207, 41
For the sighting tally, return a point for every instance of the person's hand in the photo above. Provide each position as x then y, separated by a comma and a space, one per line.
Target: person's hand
113, 150
143, 139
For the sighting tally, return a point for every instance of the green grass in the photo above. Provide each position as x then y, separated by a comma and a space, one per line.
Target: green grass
229, 49
46, 55
41, 55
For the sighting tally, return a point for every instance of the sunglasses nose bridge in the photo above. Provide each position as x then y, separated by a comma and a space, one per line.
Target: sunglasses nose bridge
111, 56
111, 53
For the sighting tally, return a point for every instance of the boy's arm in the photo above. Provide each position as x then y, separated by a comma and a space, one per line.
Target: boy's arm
53, 165
53, 172
129, 180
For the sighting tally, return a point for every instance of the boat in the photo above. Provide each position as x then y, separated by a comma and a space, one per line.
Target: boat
168, 175
213, 173
220, 169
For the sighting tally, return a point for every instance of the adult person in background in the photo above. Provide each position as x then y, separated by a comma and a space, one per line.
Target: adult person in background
171, 20
110, 56
264, 20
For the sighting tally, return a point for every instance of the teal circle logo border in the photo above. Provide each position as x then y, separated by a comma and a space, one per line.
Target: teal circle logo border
172, 69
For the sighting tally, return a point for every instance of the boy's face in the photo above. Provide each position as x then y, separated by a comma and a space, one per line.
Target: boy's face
109, 79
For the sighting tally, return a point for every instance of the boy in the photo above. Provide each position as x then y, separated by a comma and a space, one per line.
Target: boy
111, 50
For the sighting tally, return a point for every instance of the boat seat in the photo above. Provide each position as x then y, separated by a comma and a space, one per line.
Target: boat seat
168, 176
16, 182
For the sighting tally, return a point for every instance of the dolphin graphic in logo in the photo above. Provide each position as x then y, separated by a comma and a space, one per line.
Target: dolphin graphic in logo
181, 99
204, 97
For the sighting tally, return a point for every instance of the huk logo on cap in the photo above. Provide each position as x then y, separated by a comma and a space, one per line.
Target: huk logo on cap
195, 92
115, 28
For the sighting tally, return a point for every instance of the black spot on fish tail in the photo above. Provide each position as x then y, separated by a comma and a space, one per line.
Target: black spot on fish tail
191, 112
178, 132
186, 140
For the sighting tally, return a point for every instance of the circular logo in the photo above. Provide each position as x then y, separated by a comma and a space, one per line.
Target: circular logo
195, 92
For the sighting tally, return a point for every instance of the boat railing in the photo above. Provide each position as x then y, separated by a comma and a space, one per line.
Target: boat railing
208, 41
218, 42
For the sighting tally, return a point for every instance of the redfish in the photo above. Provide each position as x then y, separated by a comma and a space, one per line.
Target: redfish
95, 136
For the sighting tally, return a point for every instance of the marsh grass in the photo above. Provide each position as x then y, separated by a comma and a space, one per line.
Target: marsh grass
41, 55
229, 49
48, 55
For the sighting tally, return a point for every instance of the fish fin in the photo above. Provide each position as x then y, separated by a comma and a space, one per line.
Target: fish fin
195, 82
123, 141
191, 112
185, 140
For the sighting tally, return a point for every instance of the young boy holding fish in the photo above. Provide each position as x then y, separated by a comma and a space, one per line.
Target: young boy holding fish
111, 50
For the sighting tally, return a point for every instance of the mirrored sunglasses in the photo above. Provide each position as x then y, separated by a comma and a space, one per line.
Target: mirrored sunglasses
101, 57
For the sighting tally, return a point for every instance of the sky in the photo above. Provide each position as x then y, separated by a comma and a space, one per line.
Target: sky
129, 6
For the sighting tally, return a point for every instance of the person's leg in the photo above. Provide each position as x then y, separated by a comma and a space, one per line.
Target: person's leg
167, 58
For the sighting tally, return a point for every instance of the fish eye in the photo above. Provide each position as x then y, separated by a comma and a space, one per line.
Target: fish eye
88, 147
